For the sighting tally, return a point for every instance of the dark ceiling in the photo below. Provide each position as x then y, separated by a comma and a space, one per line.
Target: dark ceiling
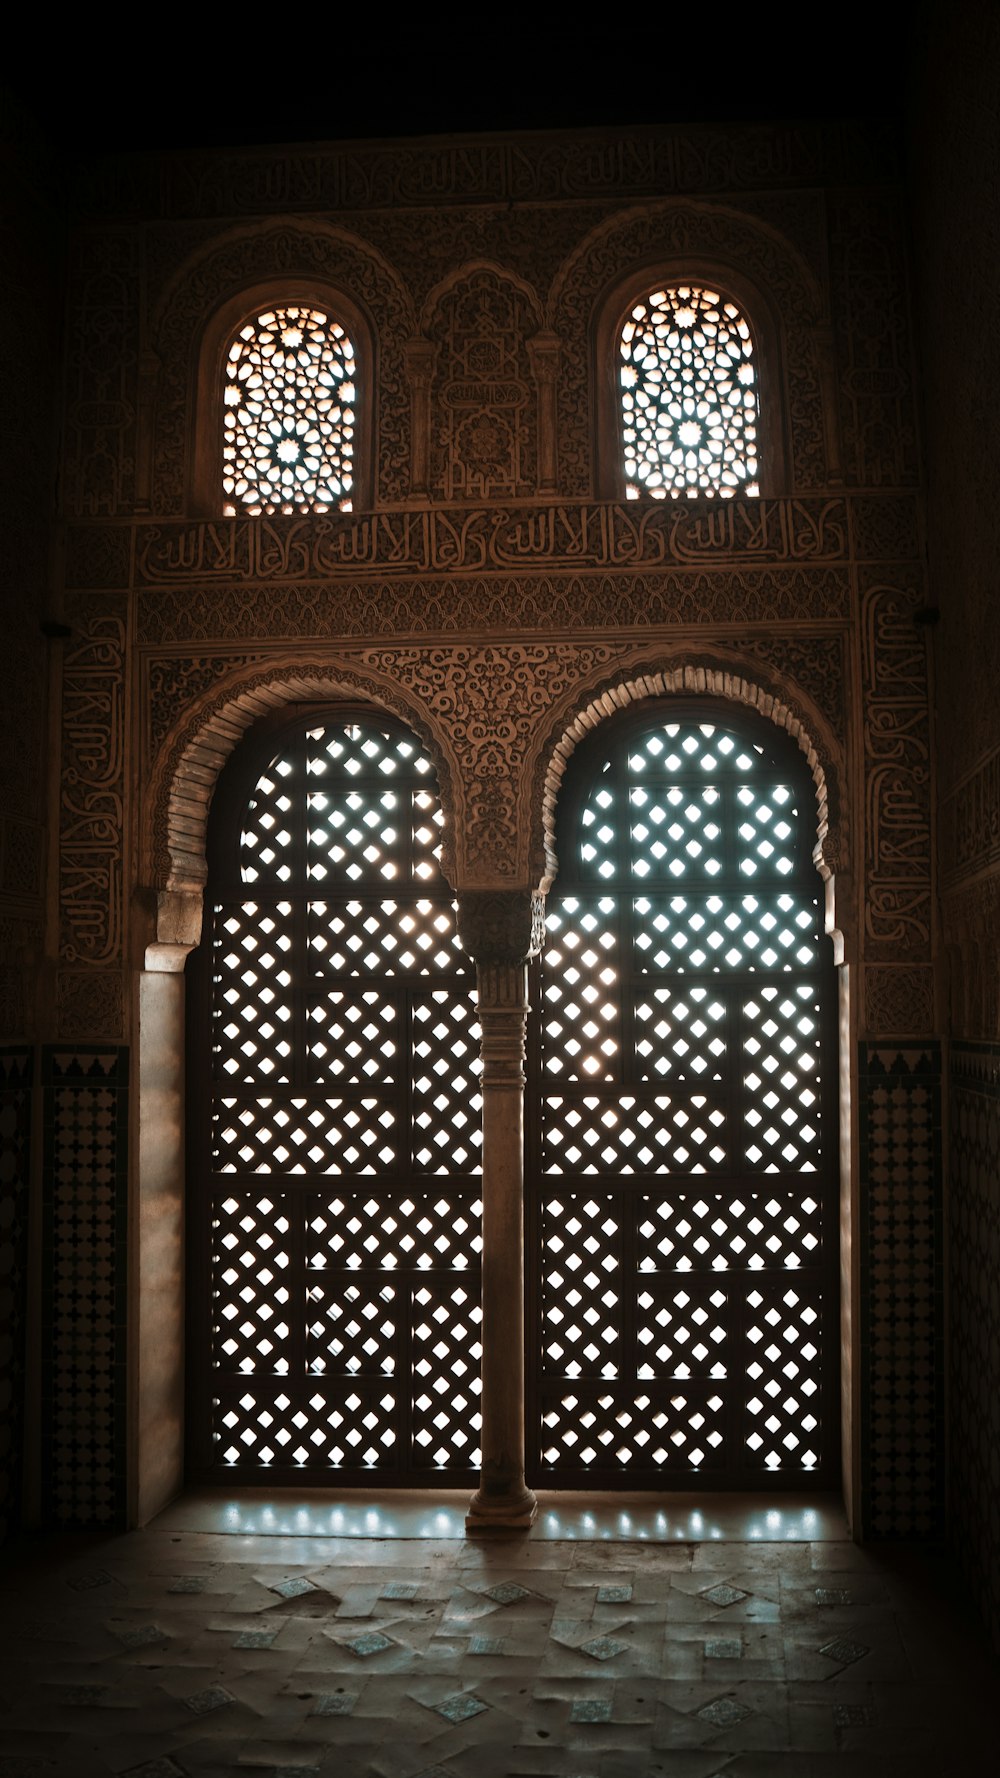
711, 69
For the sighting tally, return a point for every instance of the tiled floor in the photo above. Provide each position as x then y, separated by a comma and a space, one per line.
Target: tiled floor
587, 1648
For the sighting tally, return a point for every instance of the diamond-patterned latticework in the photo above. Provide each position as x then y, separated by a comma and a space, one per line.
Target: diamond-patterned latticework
337, 1267
681, 1199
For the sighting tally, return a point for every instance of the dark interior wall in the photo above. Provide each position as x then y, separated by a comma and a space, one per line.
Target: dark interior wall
955, 167
30, 330
955, 172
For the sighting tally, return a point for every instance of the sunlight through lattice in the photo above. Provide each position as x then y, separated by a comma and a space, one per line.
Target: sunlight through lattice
346, 1124
688, 396
682, 1228
289, 401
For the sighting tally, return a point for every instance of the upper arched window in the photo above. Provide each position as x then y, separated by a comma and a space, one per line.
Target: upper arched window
688, 395
289, 413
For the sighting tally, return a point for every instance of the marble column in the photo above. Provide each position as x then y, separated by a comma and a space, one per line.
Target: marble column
420, 356
543, 352
501, 931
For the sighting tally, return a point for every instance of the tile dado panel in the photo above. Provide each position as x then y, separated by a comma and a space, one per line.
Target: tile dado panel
16, 1072
84, 1270
902, 1291
974, 1278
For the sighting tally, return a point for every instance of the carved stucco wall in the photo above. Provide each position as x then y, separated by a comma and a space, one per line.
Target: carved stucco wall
29, 353
494, 624
30, 334
500, 720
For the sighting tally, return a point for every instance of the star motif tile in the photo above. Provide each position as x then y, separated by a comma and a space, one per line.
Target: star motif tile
138, 1635
82, 1694
613, 1595
833, 1596
723, 1713
371, 1643
293, 1587
211, 1698
460, 1707
843, 1651
399, 1589
724, 1595
603, 1648
507, 1592
590, 1710
334, 1704
724, 1648
851, 1716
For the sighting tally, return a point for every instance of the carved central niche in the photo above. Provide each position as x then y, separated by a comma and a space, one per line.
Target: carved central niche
484, 429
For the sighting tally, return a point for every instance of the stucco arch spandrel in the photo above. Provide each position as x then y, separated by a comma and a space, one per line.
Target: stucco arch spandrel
462, 275
187, 768
246, 257
648, 232
705, 235
720, 675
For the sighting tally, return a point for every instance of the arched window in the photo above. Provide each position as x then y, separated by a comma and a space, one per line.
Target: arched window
333, 1180
688, 395
680, 1170
289, 408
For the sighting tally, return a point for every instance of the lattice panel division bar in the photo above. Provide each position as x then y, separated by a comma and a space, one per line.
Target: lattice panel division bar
681, 1164
336, 1266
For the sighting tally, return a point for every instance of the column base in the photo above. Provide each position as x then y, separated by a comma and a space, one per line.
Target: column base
501, 1512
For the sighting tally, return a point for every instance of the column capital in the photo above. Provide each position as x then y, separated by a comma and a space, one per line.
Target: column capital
501, 926
420, 356
543, 354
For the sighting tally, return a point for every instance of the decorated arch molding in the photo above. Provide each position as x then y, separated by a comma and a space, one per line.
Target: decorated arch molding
500, 724
654, 234
718, 678
242, 260
192, 759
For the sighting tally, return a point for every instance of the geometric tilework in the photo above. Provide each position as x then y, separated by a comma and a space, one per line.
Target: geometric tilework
84, 1273
16, 1069
974, 1265
434, 1657
901, 1291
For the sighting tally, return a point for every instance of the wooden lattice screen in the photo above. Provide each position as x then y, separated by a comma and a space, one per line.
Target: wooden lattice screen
334, 1170
682, 1127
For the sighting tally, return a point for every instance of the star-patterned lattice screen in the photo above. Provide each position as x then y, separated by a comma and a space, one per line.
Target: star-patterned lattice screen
688, 394
681, 1210
338, 1175
289, 400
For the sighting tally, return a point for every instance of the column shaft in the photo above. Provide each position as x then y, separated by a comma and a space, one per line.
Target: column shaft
502, 1498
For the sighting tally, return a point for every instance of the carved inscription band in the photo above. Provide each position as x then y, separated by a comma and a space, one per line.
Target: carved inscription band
446, 540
